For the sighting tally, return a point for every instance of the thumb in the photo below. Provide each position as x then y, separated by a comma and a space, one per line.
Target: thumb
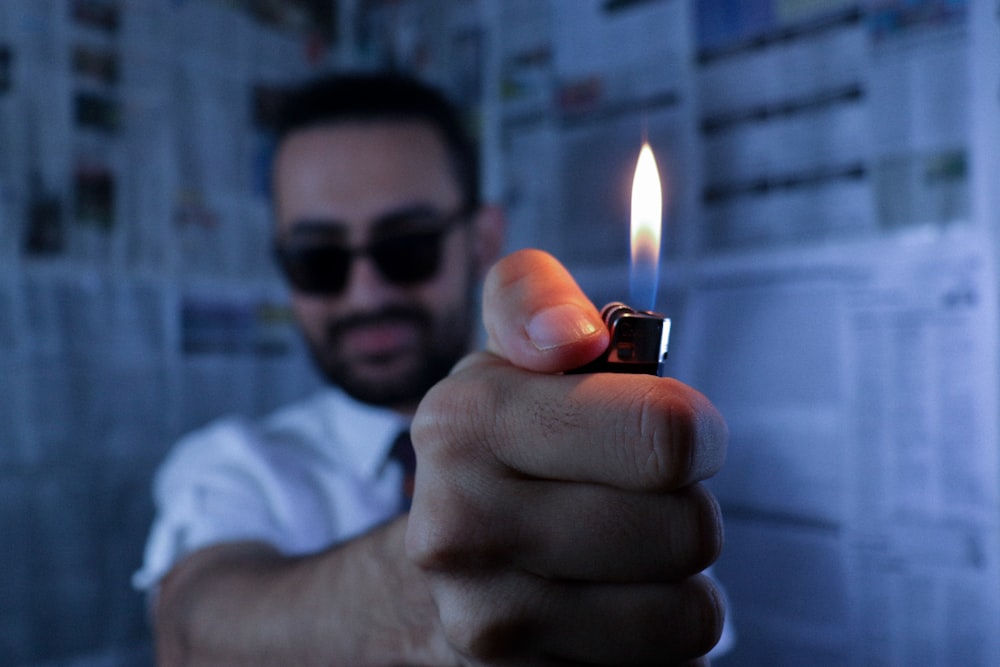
537, 317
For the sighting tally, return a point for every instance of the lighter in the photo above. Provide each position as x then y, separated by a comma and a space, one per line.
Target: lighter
639, 340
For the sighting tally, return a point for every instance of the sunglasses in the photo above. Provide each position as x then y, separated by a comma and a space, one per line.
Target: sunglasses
322, 268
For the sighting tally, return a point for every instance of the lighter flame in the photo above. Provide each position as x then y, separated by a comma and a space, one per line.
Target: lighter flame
647, 213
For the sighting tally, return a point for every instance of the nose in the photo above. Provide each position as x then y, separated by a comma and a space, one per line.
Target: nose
365, 284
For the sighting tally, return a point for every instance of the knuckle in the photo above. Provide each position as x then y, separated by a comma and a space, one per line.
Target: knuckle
694, 537
476, 628
456, 539
684, 436
666, 457
708, 613
456, 411
708, 527
512, 268
449, 529
694, 610
434, 544
482, 641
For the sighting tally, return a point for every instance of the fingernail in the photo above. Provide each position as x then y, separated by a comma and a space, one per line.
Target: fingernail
559, 325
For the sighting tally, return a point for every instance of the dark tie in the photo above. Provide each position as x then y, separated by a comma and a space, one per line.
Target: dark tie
402, 451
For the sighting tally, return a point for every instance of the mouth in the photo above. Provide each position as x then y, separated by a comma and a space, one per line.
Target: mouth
381, 340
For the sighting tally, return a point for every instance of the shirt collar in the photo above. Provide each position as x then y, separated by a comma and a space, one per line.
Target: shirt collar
367, 431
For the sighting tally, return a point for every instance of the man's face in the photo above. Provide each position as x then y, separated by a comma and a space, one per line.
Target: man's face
354, 184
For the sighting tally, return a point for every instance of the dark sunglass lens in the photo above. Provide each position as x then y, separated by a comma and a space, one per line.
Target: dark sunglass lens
409, 259
320, 269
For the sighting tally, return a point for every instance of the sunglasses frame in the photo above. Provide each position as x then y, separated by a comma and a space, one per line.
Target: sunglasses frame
284, 254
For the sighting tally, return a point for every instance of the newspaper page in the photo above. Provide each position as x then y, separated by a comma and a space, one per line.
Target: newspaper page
844, 318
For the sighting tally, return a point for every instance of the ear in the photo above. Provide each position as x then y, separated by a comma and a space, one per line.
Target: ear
489, 227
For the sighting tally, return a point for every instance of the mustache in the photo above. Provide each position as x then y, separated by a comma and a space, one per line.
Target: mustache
390, 314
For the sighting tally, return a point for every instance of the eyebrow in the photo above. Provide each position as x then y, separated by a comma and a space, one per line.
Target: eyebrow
315, 225
406, 216
388, 221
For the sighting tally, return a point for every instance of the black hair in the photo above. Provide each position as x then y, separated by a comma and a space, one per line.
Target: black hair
384, 96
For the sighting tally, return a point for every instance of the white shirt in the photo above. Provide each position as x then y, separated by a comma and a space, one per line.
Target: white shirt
311, 475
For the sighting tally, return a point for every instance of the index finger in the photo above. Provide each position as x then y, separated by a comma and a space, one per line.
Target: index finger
643, 433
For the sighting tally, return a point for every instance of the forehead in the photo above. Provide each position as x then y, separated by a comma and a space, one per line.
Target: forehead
354, 172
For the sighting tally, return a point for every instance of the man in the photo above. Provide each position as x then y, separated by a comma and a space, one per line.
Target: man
556, 518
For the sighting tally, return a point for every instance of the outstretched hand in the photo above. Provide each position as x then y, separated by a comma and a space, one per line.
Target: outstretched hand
558, 518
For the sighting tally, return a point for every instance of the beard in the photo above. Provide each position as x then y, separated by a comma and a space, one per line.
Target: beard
397, 376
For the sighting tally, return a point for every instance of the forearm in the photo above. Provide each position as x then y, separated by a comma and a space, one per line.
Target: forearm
362, 603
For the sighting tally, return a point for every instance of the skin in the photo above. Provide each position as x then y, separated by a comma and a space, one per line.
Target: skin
557, 520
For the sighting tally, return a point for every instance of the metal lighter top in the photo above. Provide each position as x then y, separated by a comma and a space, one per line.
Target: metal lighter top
639, 341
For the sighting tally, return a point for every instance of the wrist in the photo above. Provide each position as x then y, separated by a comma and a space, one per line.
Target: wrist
412, 632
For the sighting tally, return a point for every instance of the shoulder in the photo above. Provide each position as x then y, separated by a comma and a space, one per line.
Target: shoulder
241, 446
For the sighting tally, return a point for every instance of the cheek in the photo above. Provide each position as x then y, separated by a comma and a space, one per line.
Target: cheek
452, 283
310, 314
